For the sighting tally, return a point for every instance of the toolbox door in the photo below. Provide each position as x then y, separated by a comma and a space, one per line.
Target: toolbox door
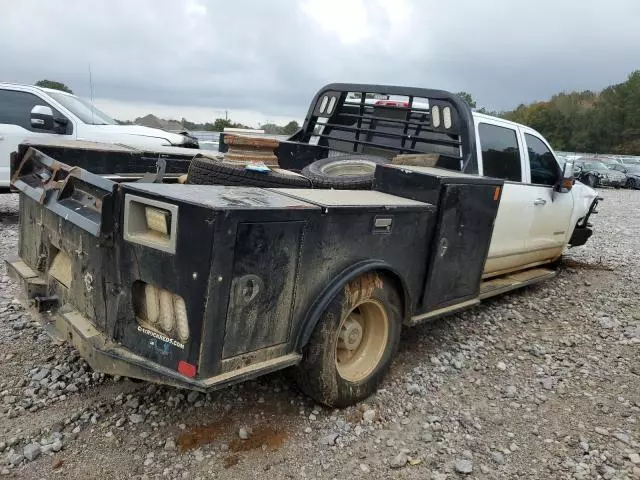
263, 284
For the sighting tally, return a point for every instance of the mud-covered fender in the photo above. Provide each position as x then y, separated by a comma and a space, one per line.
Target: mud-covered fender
345, 276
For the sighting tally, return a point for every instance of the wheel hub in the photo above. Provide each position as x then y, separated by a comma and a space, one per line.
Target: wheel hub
350, 334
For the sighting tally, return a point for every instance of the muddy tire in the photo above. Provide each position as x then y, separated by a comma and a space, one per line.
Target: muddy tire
353, 344
348, 172
208, 171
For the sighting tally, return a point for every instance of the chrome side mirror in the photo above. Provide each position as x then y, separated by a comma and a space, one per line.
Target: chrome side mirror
42, 117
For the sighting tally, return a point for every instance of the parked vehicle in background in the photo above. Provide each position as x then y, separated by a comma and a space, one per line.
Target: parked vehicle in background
36, 114
597, 174
631, 171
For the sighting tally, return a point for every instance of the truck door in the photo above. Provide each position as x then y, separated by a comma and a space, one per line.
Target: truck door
552, 211
500, 155
15, 125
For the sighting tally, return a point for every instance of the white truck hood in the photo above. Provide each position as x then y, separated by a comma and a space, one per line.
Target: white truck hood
134, 135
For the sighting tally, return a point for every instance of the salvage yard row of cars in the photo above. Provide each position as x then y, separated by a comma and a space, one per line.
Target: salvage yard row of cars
607, 171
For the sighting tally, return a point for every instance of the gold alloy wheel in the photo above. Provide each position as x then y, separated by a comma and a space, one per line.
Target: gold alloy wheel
362, 340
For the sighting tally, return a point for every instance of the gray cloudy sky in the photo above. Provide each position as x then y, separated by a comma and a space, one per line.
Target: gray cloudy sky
263, 60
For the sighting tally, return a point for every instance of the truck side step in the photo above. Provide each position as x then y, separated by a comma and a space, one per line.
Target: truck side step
499, 285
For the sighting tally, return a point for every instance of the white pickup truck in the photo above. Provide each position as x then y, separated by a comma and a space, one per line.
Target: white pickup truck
242, 272
33, 113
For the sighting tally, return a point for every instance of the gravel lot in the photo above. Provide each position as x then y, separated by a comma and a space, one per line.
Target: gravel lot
542, 383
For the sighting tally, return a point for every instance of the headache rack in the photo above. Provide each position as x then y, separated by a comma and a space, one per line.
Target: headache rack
391, 120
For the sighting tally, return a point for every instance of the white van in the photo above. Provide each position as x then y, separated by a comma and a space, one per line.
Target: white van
28, 112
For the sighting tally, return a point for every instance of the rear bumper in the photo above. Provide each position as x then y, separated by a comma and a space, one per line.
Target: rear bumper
66, 324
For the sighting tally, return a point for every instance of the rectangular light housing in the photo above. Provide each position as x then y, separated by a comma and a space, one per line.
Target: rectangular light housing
150, 223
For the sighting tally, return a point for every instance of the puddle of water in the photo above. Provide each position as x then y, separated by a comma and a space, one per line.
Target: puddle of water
272, 437
225, 430
198, 436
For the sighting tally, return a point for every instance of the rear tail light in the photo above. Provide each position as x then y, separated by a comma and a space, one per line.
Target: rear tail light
161, 311
186, 369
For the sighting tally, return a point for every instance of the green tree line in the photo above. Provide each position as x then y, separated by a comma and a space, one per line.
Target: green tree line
605, 122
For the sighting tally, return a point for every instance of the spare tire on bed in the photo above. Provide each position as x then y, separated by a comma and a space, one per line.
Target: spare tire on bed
349, 172
210, 171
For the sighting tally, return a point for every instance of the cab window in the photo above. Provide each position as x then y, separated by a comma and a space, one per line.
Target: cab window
542, 163
500, 152
15, 109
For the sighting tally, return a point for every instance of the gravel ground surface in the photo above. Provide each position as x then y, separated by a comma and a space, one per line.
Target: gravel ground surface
542, 383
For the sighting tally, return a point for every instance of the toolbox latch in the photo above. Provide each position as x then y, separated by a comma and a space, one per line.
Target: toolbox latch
382, 224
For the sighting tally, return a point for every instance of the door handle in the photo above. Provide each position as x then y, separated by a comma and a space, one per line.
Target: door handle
539, 201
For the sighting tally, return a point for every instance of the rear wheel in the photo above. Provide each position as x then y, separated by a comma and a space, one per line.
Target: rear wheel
631, 183
353, 344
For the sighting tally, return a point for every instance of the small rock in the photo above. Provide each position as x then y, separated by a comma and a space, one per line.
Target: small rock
198, 456
15, 459
3, 446
365, 468
602, 431
623, 437
464, 466
399, 460
19, 325
136, 418
498, 457
193, 396
57, 427
170, 445
71, 388
501, 366
547, 383
635, 458
56, 446
32, 451
329, 439
243, 434
369, 415
413, 389
510, 391
41, 374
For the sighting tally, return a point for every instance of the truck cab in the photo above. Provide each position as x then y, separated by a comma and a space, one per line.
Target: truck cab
34, 113
535, 221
